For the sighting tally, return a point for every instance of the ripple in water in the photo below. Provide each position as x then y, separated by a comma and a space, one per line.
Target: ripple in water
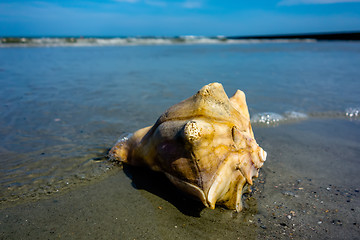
17, 188
292, 115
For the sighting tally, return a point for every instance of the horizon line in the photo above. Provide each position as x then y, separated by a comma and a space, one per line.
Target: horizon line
336, 35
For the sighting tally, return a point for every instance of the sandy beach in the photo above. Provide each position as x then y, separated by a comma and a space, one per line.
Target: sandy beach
307, 189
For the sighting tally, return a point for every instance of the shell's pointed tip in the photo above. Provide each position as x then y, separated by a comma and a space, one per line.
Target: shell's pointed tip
119, 152
216, 84
263, 155
112, 154
239, 207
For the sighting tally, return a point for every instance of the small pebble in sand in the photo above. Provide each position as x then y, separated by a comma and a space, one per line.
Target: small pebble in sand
319, 222
328, 188
288, 193
289, 216
338, 222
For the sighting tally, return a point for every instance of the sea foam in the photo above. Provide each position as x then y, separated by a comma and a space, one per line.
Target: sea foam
353, 113
271, 118
131, 41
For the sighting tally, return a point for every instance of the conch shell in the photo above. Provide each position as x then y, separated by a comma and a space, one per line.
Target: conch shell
204, 145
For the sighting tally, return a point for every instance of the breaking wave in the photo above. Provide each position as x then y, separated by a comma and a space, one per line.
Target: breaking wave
271, 118
130, 41
274, 119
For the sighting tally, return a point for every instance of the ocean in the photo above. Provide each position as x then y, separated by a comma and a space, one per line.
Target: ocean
62, 108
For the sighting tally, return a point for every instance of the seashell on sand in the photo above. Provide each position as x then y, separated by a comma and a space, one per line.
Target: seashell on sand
204, 145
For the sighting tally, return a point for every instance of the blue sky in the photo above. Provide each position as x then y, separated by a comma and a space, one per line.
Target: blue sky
178, 17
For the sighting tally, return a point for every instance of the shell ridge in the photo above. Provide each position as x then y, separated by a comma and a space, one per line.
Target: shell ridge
217, 175
195, 162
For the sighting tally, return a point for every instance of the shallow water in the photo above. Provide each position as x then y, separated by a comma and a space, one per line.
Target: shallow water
63, 107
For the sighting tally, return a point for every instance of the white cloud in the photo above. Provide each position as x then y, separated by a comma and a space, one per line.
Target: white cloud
192, 4
127, 1
156, 3
298, 2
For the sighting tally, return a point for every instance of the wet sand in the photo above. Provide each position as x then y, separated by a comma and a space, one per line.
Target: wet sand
307, 189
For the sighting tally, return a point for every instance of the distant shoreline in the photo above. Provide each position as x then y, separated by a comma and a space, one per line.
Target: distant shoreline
316, 36
79, 41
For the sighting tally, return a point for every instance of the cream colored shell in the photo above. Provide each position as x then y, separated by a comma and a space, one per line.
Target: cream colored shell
204, 145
